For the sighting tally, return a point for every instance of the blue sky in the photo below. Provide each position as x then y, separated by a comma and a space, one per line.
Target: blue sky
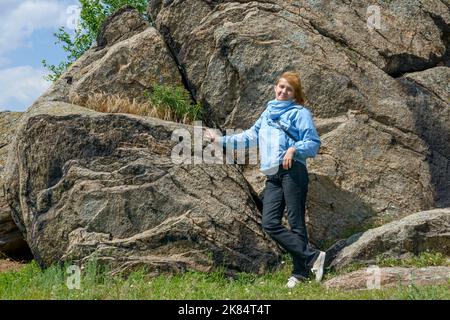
26, 37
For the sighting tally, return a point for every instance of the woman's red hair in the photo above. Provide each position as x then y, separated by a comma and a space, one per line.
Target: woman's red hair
293, 78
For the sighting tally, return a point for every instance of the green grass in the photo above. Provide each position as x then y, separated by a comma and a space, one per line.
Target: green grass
175, 99
33, 283
424, 259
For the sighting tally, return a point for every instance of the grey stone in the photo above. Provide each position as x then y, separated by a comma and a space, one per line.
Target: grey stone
11, 239
392, 277
416, 233
130, 59
91, 185
385, 150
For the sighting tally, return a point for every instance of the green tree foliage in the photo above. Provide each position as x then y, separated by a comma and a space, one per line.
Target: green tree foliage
93, 14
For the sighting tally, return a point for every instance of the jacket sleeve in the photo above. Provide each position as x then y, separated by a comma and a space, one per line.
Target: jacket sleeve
309, 142
246, 139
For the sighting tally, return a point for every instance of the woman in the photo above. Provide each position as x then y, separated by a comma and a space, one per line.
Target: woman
286, 136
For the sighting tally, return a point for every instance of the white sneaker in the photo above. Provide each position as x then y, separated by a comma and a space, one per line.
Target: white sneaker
317, 268
292, 282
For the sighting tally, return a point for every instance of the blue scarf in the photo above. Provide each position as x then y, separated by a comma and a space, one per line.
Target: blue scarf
277, 107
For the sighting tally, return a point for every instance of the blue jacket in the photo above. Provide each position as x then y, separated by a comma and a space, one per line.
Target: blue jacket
273, 142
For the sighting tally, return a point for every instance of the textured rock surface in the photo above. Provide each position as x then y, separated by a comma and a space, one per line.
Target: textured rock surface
85, 184
121, 25
366, 173
379, 97
385, 135
427, 230
130, 59
429, 96
11, 240
233, 51
390, 277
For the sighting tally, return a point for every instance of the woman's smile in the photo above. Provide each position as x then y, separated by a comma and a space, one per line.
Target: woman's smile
283, 90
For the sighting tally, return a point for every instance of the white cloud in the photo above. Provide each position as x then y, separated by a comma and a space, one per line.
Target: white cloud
7, 5
4, 61
19, 19
20, 86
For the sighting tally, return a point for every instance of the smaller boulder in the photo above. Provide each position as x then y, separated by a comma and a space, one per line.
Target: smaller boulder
379, 278
416, 233
121, 25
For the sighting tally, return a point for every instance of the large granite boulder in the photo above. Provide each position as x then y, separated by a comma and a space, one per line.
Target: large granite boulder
130, 57
379, 97
429, 96
416, 233
376, 91
11, 240
232, 52
85, 185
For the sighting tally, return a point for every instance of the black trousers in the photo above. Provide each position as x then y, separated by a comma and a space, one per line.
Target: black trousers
288, 189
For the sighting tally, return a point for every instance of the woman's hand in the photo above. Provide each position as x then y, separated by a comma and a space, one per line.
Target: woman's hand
288, 159
210, 135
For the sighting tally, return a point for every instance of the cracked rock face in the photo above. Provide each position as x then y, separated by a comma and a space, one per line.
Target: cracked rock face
130, 58
84, 184
379, 95
11, 239
121, 25
232, 52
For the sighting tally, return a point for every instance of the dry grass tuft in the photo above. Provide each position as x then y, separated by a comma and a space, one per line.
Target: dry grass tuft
115, 103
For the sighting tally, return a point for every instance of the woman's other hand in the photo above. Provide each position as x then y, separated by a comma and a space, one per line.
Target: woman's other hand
288, 159
210, 135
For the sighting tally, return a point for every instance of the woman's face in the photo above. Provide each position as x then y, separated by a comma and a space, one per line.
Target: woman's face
283, 90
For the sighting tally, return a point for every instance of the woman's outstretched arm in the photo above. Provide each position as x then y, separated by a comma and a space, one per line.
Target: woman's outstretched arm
245, 139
